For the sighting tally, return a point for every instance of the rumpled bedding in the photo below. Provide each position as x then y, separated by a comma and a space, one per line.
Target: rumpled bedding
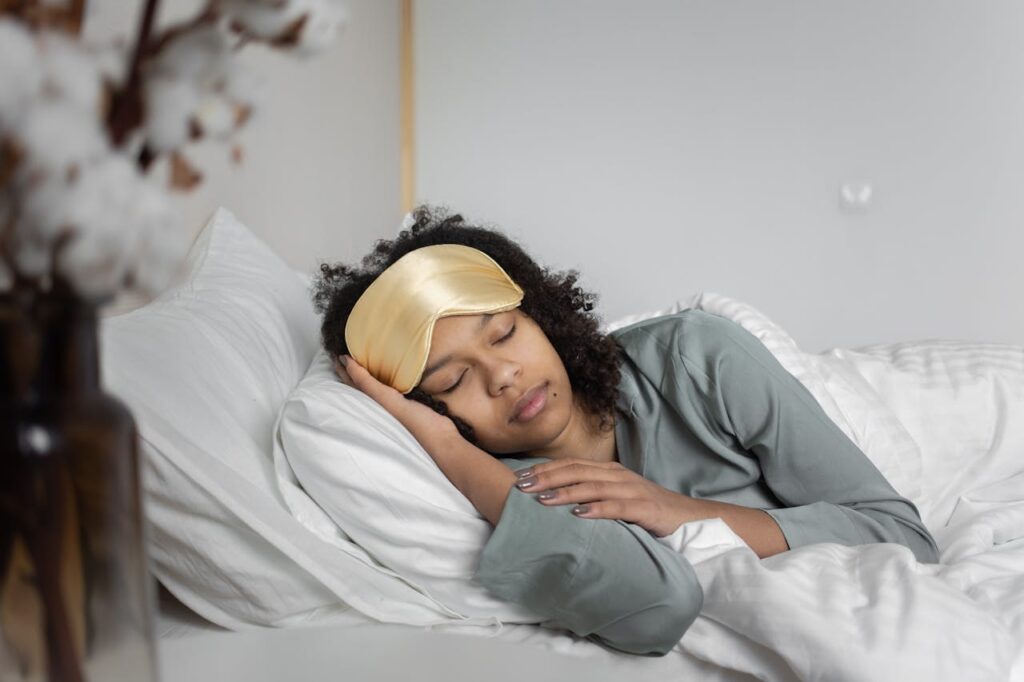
871, 612
944, 422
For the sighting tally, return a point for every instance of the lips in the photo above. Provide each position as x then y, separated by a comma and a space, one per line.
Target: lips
526, 399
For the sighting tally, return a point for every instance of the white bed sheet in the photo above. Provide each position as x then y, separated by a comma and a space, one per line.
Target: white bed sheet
194, 649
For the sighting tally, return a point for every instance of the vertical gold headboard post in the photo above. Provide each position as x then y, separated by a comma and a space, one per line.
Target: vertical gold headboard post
408, 121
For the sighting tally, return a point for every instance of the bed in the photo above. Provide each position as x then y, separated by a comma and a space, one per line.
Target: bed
256, 568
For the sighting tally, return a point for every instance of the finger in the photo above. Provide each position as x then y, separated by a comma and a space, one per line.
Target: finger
386, 396
359, 375
568, 474
632, 511
342, 375
589, 491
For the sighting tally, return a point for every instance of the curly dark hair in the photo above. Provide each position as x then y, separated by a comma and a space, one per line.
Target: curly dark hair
560, 308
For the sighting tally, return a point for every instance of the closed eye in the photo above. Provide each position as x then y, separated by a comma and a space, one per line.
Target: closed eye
501, 340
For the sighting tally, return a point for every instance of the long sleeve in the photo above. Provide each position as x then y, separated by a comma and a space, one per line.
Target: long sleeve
832, 490
607, 580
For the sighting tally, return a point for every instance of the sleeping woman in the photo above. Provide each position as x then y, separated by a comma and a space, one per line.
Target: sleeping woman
585, 450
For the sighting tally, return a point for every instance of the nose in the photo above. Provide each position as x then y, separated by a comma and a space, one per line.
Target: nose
503, 372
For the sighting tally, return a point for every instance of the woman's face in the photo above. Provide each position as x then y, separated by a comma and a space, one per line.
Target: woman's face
481, 365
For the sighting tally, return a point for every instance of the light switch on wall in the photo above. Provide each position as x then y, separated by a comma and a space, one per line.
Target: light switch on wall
855, 196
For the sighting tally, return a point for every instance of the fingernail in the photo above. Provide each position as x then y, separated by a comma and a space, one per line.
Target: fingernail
526, 483
344, 361
581, 509
546, 495
523, 473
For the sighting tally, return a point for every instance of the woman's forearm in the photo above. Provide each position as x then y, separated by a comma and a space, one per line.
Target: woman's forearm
756, 526
484, 480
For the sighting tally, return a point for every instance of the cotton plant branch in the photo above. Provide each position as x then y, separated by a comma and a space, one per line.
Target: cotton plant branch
82, 127
126, 111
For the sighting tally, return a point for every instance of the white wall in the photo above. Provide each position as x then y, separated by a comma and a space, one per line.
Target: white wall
665, 147
320, 179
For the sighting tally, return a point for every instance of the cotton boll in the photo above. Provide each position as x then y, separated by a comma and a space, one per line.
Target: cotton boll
100, 198
100, 209
325, 20
70, 73
160, 258
196, 82
322, 20
245, 86
195, 54
125, 230
44, 207
261, 19
20, 74
94, 208
56, 136
161, 247
215, 116
111, 61
95, 262
170, 103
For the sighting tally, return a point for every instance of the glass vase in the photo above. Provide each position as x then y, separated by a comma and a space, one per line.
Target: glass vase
76, 598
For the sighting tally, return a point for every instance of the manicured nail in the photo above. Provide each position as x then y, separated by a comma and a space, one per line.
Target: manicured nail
523, 473
526, 483
344, 361
580, 509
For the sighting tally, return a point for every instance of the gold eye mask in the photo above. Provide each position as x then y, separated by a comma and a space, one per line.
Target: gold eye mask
390, 327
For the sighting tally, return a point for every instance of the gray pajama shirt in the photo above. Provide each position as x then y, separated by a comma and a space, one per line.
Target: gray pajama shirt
703, 409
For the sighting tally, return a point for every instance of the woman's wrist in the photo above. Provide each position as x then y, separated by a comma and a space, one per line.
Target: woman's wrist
485, 481
680, 509
755, 526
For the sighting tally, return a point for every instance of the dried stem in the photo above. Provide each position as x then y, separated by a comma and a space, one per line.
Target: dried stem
127, 111
206, 16
76, 12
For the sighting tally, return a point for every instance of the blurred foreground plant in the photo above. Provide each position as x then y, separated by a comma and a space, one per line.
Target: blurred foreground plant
82, 217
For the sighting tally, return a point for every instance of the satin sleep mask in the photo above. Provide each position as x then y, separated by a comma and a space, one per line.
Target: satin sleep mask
390, 327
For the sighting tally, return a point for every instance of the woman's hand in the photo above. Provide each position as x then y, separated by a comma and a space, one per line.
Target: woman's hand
422, 422
608, 491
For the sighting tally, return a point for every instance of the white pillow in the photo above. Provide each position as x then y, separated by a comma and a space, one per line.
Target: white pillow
205, 368
380, 486
382, 489
630, 319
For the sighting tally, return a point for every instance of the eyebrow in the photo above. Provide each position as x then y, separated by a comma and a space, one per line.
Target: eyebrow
446, 359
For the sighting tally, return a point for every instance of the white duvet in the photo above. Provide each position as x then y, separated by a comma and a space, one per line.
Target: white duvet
871, 612
944, 421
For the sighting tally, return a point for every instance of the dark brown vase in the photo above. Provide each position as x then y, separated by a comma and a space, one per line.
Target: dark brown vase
76, 599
